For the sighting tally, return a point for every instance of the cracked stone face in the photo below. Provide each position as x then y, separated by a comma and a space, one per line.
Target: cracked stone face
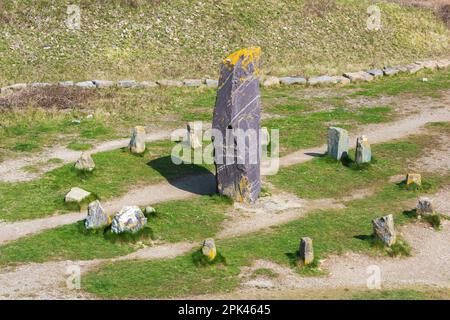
237, 110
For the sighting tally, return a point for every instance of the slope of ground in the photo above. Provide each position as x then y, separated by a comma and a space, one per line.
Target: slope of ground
187, 38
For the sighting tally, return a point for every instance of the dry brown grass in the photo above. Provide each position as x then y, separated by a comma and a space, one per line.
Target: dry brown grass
440, 7
54, 97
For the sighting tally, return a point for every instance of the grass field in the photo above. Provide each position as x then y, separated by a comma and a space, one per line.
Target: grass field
184, 38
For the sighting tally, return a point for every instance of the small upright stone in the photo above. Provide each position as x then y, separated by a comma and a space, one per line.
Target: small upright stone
96, 217
375, 72
209, 249
149, 210
413, 178
390, 71
195, 134
425, 206
305, 251
76, 195
363, 153
292, 80
337, 143
129, 219
137, 142
383, 228
359, 76
85, 162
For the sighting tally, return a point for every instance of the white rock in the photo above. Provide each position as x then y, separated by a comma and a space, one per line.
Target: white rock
76, 195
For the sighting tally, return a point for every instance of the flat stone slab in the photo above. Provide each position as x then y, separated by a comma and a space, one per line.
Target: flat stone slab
376, 72
76, 195
170, 83
192, 82
103, 83
40, 84
390, 71
126, 83
292, 80
443, 64
85, 84
429, 64
358, 76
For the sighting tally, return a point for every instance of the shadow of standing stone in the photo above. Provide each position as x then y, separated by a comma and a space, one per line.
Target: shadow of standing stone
237, 110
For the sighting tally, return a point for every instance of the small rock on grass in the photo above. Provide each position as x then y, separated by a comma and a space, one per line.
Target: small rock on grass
137, 142
306, 251
358, 76
383, 229
76, 195
85, 84
209, 249
96, 217
85, 162
128, 219
103, 83
425, 206
126, 84
149, 210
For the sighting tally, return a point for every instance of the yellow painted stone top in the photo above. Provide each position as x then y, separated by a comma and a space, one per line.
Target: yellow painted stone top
249, 55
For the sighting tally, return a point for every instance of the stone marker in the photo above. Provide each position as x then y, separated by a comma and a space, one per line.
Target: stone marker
443, 64
40, 84
413, 178
271, 81
430, 64
341, 79
212, 83
169, 83
237, 109
96, 217
85, 162
137, 142
126, 83
76, 195
292, 80
358, 76
305, 251
209, 249
363, 153
129, 219
425, 206
192, 82
337, 143
321, 80
66, 84
195, 134
383, 228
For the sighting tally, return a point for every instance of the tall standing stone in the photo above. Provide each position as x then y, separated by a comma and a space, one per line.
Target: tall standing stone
425, 206
237, 110
96, 217
383, 228
363, 153
209, 249
337, 143
305, 251
137, 142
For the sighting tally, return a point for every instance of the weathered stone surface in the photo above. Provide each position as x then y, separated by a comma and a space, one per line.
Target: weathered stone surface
195, 134
363, 153
292, 80
192, 82
390, 71
306, 251
337, 143
209, 249
103, 83
96, 217
429, 64
212, 83
76, 195
237, 109
271, 81
341, 79
443, 64
66, 83
85, 84
358, 76
413, 68
170, 83
127, 83
415, 178
137, 142
383, 228
147, 84
425, 206
321, 80
376, 72
85, 162
129, 219
40, 84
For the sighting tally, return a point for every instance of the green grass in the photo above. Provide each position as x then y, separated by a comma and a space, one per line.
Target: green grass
333, 232
116, 172
325, 177
173, 221
297, 37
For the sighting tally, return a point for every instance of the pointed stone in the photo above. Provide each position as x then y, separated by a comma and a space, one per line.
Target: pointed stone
383, 228
96, 217
305, 251
425, 206
209, 249
85, 162
337, 143
363, 153
137, 142
237, 109
195, 134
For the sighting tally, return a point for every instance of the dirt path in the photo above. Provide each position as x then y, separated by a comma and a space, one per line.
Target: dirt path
180, 189
13, 170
